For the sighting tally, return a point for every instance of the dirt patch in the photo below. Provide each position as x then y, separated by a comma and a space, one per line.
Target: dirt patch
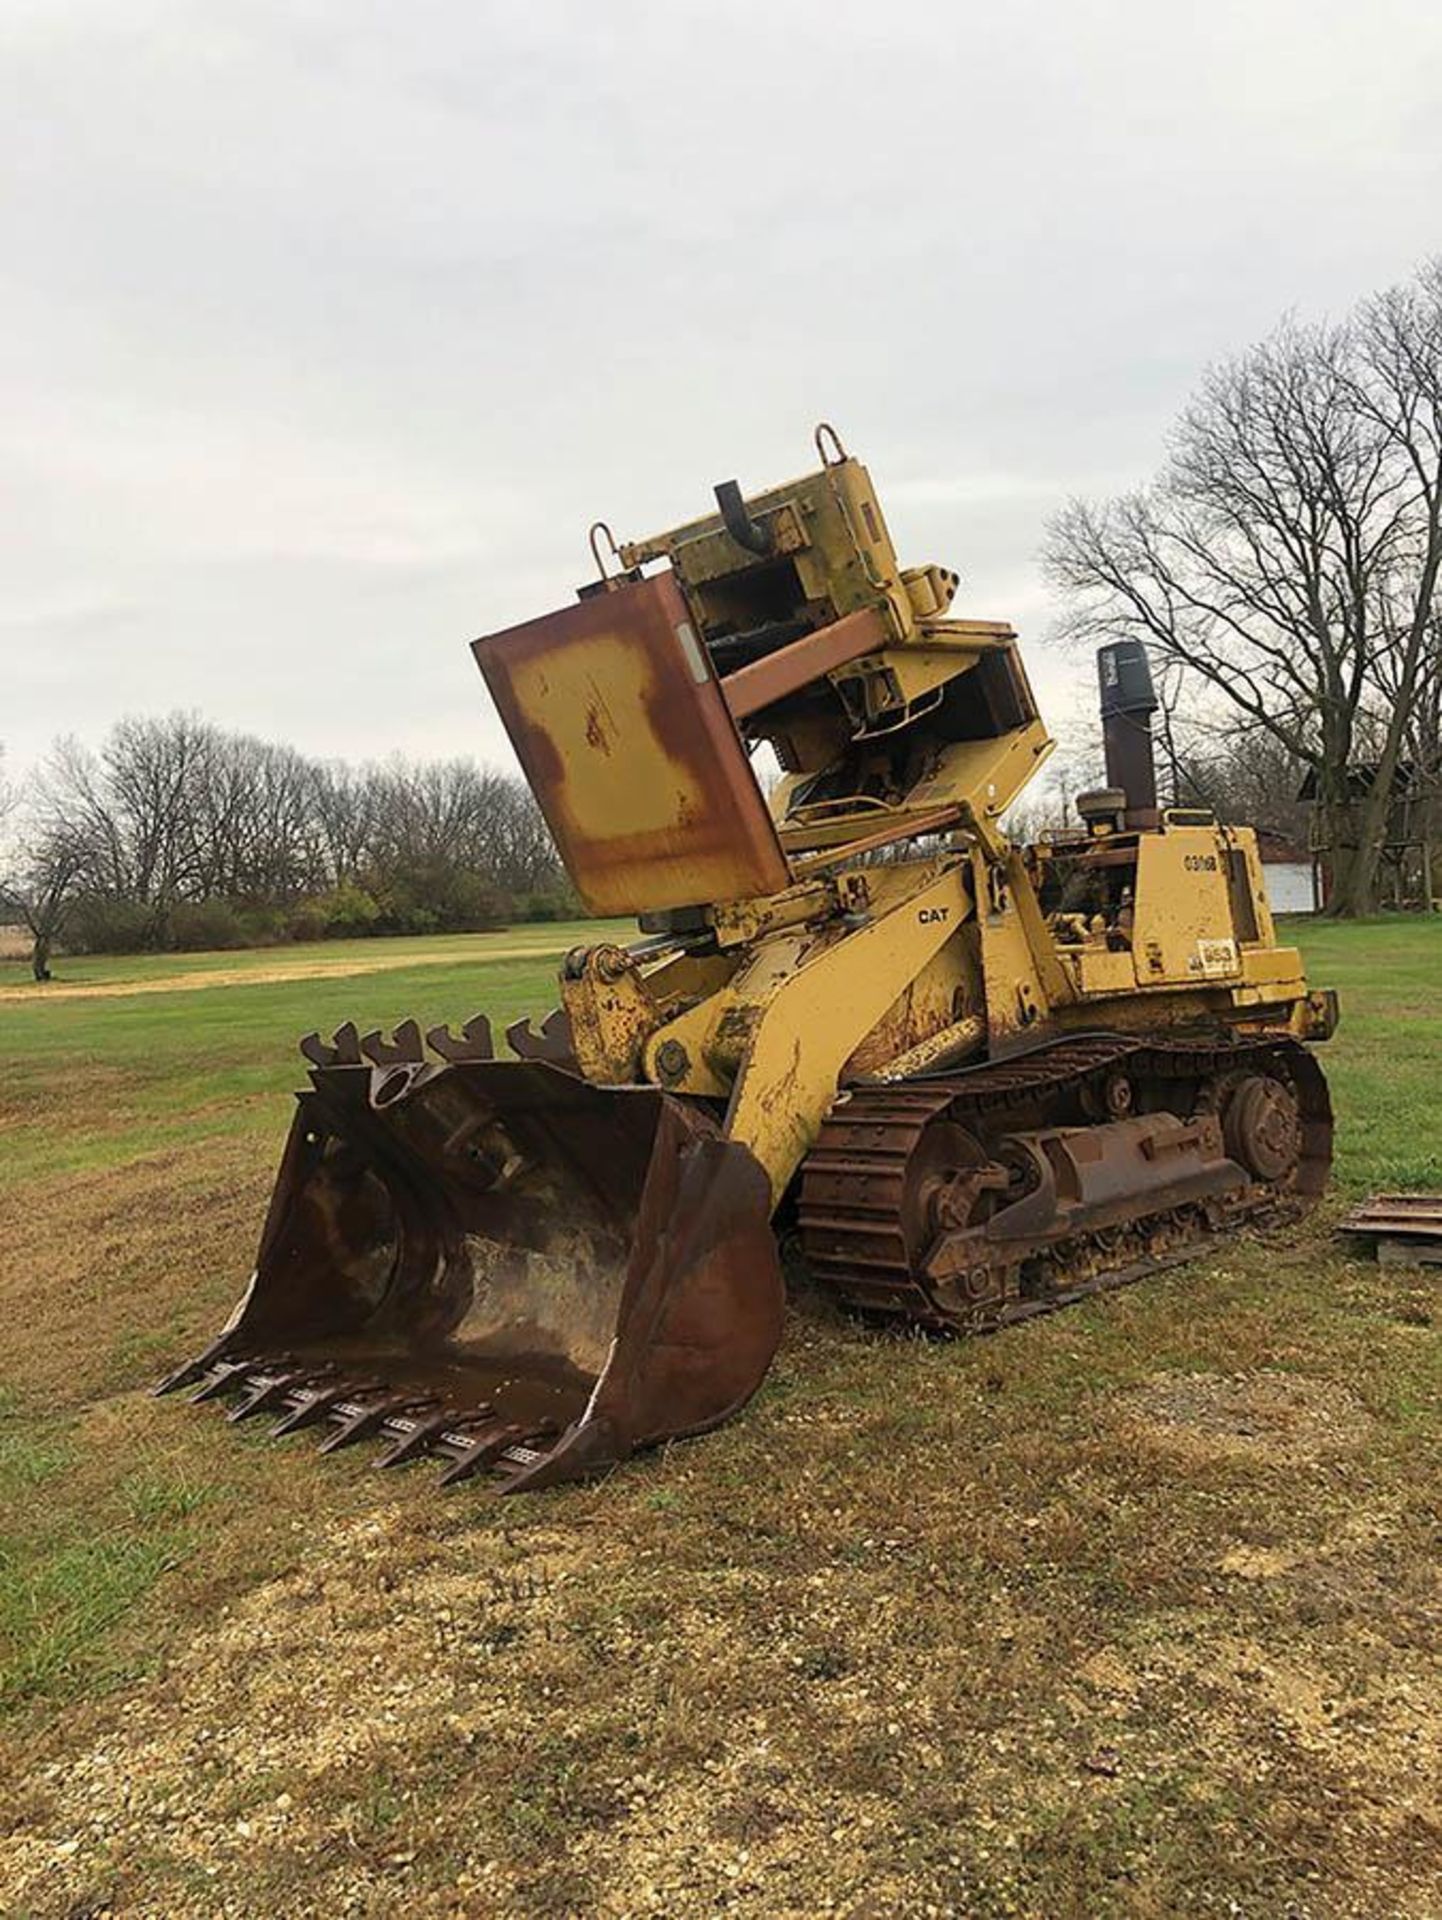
441, 1715
1258, 1563
1354, 1723
699, 1689
290, 1728
265, 976
1268, 1415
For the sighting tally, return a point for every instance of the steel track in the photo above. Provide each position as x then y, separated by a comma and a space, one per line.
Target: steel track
854, 1229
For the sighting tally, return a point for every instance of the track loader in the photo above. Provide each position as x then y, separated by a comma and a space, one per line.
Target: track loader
972, 1080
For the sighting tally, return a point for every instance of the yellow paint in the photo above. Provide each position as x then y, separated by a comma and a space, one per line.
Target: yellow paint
616, 716
813, 1013
614, 769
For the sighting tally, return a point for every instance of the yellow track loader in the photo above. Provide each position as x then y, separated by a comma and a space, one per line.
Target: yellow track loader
976, 1080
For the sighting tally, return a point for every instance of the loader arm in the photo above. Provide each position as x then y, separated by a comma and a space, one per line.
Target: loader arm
788, 1061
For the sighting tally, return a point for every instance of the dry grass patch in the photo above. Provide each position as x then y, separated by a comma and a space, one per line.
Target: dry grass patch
307, 965
898, 1640
108, 1272
1268, 1415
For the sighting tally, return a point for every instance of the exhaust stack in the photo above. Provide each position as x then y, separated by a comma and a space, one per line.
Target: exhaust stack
1128, 701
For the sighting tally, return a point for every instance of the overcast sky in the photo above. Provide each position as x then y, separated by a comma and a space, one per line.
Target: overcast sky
328, 327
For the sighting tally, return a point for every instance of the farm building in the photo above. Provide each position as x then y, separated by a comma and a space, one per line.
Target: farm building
1291, 875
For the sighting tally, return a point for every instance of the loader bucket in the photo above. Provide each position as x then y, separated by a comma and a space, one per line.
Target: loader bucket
499, 1264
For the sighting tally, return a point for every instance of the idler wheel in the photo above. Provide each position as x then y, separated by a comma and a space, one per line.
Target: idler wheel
945, 1186
1262, 1128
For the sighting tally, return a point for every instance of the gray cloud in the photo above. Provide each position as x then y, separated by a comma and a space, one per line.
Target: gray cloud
328, 329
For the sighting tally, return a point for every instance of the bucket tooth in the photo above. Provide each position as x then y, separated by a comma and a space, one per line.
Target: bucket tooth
318, 1402
404, 1048
551, 1041
486, 1448
186, 1375
343, 1049
268, 1390
473, 1042
370, 1420
223, 1376
424, 1434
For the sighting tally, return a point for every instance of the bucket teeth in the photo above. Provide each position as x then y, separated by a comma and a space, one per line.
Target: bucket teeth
425, 1433
552, 1041
485, 1449
473, 1042
317, 1403
369, 1420
404, 1048
347, 1047
413, 1425
186, 1375
223, 1376
268, 1390
344, 1049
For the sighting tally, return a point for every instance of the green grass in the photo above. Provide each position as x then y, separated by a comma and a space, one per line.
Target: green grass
56, 1605
69, 1573
1130, 1611
26, 1459
111, 1078
1385, 1065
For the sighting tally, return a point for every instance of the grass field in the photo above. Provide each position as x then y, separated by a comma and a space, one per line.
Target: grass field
1135, 1610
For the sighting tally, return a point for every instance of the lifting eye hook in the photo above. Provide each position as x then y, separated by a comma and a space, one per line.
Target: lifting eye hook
598, 529
826, 435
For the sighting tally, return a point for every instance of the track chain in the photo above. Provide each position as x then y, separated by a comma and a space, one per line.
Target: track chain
852, 1228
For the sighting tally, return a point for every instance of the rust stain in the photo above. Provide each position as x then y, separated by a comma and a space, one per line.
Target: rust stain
691, 824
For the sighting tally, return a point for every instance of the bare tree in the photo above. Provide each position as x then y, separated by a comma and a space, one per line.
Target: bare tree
172, 814
1287, 556
136, 808
1252, 781
38, 885
37, 874
345, 803
523, 853
1400, 390
255, 831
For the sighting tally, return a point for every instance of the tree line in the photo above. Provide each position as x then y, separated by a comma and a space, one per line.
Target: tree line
179, 834
1284, 567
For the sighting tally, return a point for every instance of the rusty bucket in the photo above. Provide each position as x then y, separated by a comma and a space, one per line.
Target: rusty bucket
499, 1264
